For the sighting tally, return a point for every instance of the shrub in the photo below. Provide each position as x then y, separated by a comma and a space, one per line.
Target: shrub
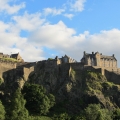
38, 101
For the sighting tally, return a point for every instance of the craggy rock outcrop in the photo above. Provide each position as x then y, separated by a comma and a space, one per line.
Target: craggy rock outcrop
77, 87
74, 89
13, 79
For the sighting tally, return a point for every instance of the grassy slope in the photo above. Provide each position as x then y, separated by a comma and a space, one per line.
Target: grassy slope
9, 59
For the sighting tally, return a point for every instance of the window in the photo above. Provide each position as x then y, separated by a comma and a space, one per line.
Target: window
65, 60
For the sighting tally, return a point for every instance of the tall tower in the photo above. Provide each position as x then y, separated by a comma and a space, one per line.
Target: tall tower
97, 56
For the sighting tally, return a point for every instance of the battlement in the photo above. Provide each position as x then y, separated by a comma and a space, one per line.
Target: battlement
77, 66
7, 64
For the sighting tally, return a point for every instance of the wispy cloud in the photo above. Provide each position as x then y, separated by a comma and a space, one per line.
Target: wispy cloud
52, 11
70, 16
10, 9
66, 9
77, 6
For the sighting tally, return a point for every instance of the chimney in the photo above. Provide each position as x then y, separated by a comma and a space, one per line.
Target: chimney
84, 52
113, 55
92, 52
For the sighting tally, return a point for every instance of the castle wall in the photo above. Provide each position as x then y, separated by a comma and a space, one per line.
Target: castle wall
27, 65
27, 71
5, 66
77, 66
59, 61
112, 76
50, 63
47, 65
108, 63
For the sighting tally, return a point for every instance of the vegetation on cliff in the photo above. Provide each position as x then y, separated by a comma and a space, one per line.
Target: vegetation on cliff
17, 110
62, 94
9, 60
38, 101
2, 111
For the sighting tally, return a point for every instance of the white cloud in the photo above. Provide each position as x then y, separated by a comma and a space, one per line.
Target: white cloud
53, 35
11, 42
78, 6
3, 26
4, 6
30, 53
53, 11
106, 40
28, 21
59, 37
6, 36
70, 16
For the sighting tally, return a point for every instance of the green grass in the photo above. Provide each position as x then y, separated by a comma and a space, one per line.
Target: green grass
9, 59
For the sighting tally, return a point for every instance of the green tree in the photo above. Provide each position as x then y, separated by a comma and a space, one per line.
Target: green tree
18, 110
2, 111
38, 101
94, 112
116, 114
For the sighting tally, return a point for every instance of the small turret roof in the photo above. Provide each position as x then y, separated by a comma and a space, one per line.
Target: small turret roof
14, 55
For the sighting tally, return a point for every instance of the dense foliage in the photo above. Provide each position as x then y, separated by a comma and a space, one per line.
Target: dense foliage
18, 110
38, 101
2, 111
33, 102
94, 112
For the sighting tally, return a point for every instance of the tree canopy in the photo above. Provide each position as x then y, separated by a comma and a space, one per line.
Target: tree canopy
2, 111
38, 101
18, 110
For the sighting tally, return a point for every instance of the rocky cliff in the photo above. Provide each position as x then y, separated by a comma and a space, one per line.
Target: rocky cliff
74, 89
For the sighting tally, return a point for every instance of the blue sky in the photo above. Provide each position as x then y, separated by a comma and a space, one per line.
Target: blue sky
41, 29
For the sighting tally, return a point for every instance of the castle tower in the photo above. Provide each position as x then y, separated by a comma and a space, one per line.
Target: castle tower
98, 61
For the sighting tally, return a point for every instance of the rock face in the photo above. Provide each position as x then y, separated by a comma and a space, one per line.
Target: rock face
74, 89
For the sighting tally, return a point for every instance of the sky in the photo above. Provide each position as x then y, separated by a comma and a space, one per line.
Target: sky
40, 29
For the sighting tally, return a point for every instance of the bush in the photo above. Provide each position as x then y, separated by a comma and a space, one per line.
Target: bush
38, 101
2, 111
116, 114
18, 110
94, 112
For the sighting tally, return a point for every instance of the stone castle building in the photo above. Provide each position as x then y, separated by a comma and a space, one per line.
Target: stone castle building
65, 59
99, 60
15, 56
4, 55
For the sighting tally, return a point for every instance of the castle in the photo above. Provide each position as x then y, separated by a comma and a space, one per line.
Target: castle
93, 61
15, 56
99, 60
65, 59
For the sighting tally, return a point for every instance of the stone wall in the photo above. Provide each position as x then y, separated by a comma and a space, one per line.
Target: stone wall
5, 66
112, 76
27, 71
77, 66
26, 64
46, 65
108, 63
